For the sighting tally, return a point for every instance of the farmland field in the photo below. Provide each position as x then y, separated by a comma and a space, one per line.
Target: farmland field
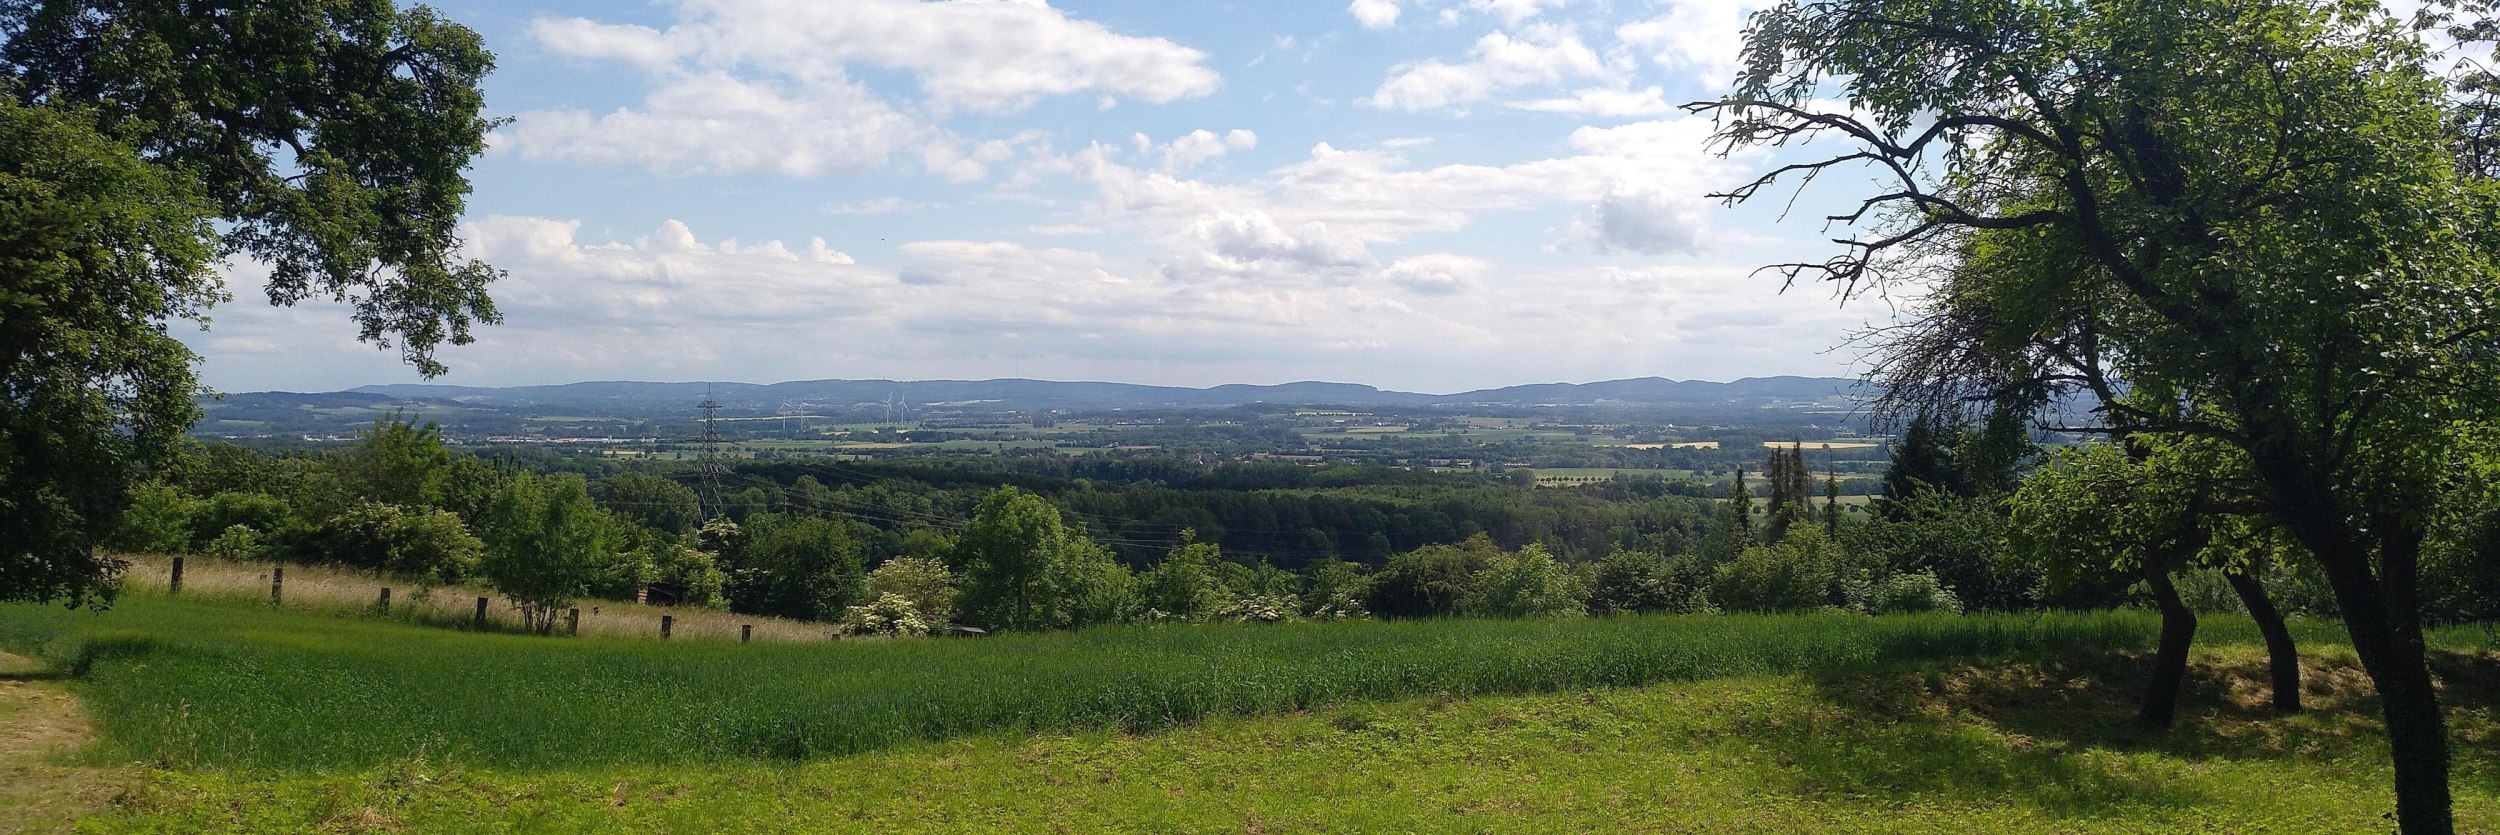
272, 720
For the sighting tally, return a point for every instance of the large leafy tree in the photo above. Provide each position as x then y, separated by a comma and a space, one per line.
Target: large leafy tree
141, 142
2247, 208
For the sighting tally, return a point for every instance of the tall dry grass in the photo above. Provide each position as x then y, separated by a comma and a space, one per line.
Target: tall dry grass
337, 591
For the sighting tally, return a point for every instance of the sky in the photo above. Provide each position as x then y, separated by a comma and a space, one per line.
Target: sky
1427, 195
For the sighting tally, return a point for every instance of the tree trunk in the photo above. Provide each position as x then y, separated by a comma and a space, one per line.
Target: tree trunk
2282, 657
2374, 581
2178, 632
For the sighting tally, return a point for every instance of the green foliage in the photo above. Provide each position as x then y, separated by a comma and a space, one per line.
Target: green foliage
263, 687
428, 545
159, 521
238, 543
1529, 584
651, 501
923, 582
1432, 581
890, 615
696, 574
1800, 574
1024, 570
100, 250
1183, 586
139, 144
1333, 589
261, 513
399, 462
546, 542
1909, 593
1634, 581
1959, 540
791, 566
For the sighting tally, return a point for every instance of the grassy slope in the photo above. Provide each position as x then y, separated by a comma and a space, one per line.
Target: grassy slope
281, 721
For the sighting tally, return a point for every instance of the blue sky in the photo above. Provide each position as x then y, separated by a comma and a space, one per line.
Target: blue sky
1430, 195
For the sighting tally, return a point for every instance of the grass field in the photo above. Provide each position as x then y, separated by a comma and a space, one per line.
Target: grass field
251, 719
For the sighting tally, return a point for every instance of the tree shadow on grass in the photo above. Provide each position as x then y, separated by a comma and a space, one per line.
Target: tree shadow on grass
2042, 731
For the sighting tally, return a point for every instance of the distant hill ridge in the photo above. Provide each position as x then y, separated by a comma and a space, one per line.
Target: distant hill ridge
1026, 393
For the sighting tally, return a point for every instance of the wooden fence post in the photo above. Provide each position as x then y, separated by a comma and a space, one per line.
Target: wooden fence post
573, 622
745, 631
383, 604
177, 589
667, 621
481, 613
277, 583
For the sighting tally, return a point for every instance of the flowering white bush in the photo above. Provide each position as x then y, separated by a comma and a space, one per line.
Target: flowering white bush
1258, 608
889, 614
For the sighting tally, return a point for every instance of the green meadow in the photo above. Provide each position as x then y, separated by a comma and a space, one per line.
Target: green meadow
214, 715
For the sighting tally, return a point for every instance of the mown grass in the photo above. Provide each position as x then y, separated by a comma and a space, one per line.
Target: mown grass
192, 684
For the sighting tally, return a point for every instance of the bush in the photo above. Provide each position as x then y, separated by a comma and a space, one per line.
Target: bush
1432, 581
157, 522
1333, 589
794, 567
922, 581
1797, 575
1183, 586
259, 512
887, 614
238, 543
1529, 584
1629, 581
1258, 608
1910, 593
428, 545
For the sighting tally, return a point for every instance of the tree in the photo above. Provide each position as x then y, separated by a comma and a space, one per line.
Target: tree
143, 140
793, 566
1790, 502
2248, 206
545, 542
399, 462
2152, 510
1333, 589
651, 501
1023, 569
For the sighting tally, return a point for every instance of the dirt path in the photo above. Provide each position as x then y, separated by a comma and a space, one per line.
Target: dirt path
40, 723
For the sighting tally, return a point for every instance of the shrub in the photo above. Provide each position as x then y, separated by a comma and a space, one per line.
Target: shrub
1911, 593
794, 567
260, 512
1796, 575
237, 543
158, 521
1333, 589
428, 545
923, 581
1183, 586
1529, 584
886, 614
1432, 581
1258, 608
1630, 581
